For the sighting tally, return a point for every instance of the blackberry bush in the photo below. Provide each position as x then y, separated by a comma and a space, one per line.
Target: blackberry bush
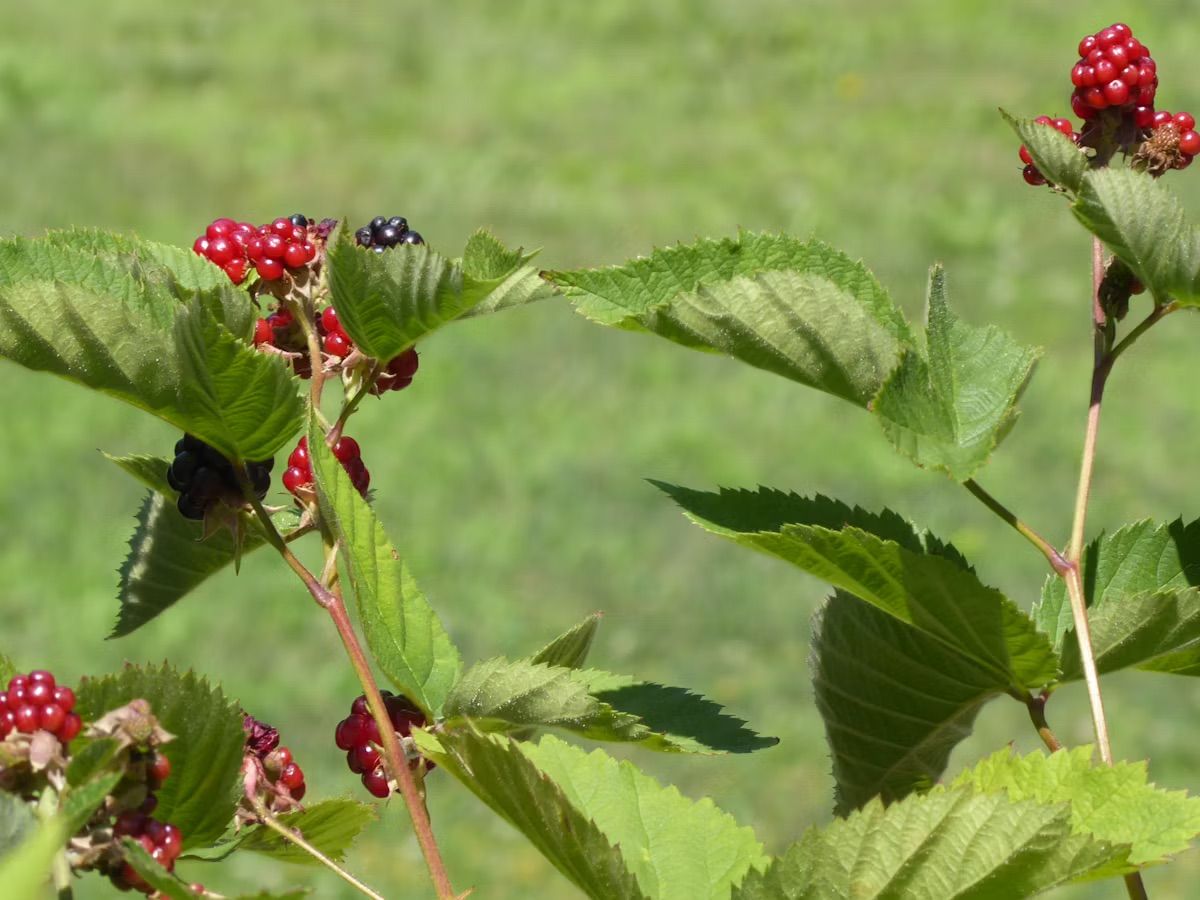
272, 337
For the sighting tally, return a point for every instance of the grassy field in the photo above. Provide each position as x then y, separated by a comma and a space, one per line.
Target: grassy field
512, 473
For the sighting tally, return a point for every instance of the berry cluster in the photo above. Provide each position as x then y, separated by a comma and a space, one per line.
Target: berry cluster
161, 840
396, 376
280, 331
284, 776
358, 735
383, 233
35, 702
202, 476
272, 248
1114, 70
1116, 81
298, 477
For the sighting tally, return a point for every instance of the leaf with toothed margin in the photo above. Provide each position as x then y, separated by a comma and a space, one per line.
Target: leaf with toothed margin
167, 556
895, 701
570, 649
929, 590
329, 825
1060, 160
797, 308
948, 406
503, 276
206, 755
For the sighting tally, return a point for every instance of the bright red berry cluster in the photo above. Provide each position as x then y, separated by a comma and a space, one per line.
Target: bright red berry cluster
1114, 70
161, 840
358, 735
299, 473
35, 702
1116, 81
272, 248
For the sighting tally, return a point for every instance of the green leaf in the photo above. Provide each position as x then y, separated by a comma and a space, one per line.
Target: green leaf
403, 632
503, 275
16, 823
7, 669
947, 407
1140, 558
1157, 632
25, 872
1110, 803
90, 759
331, 826
577, 808
1056, 156
167, 556
80, 803
499, 695
242, 402
194, 374
206, 755
944, 845
495, 770
894, 700
931, 591
389, 301
680, 720
799, 309
570, 649
1144, 224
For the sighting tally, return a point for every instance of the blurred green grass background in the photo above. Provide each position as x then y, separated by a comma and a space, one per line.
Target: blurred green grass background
511, 474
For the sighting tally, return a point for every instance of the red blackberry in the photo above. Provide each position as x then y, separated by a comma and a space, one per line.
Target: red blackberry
202, 476
284, 777
299, 475
358, 735
163, 841
35, 702
383, 233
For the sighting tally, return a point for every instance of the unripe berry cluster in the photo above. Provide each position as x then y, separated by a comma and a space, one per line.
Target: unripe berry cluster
202, 476
161, 840
1114, 70
299, 476
396, 376
383, 233
285, 777
36, 702
282, 244
358, 734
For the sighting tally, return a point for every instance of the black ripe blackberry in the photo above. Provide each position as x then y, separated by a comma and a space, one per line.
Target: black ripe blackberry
298, 220
383, 233
202, 476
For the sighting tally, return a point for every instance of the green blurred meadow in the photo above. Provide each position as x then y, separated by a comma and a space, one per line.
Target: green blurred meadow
512, 473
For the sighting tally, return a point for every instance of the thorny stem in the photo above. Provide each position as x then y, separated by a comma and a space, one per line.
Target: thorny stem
268, 819
1044, 546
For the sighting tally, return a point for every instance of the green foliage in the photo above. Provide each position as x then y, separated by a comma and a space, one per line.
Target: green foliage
330, 825
1110, 803
570, 649
1158, 632
947, 406
499, 773
7, 669
87, 318
799, 309
894, 700
79, 803
930, 591
679, 719
1056, 156
389, 301
25, 870
16, 823
153, 872
206, 755
168, 555
403, 632
944, 845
